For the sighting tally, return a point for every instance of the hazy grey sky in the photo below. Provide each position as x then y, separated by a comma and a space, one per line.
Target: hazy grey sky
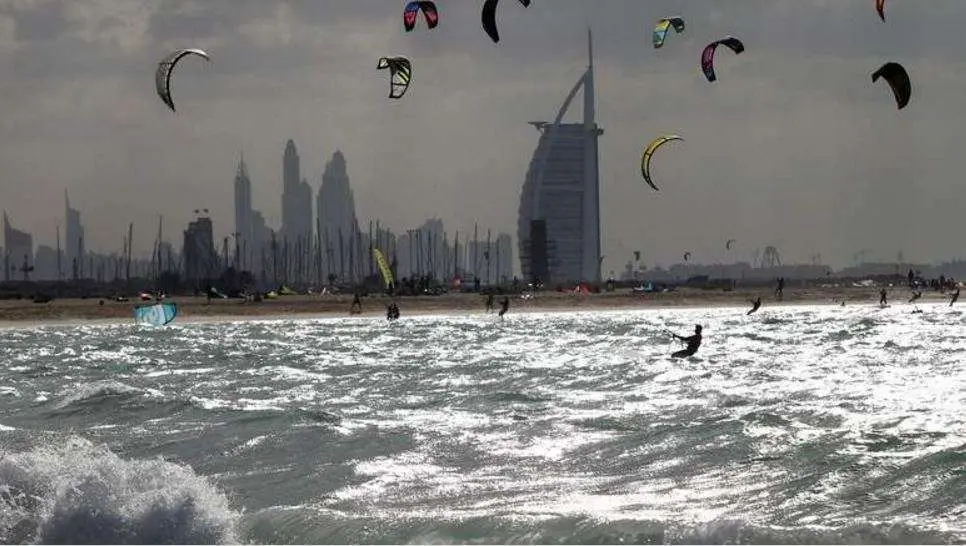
794, 146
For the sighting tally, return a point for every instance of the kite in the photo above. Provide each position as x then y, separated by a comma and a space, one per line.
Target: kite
729, 244
162, 78
156, 314
707, 56
660, 30
489, 17
400, 73
898, 80
384, 268
880, 7
649, 151
412, 11
687, 256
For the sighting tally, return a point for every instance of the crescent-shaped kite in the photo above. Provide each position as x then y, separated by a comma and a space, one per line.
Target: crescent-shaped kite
898, 80
707, 56
162, 78
649, 152
880, 7
400, 74
489, 18
662, 27
412, 11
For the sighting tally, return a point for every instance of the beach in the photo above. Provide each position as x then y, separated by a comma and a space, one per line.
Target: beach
193, 308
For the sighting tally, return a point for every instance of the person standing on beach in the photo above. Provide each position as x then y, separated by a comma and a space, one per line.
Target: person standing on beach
755, 305
883, 298
693, 341
504, 306
356, 306
780, 291
489, 303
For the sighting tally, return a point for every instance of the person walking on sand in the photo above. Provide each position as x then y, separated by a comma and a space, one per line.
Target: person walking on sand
780, 291
883, 298
693, 341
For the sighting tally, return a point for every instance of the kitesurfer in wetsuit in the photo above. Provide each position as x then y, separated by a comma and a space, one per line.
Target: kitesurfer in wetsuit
915, 296
755, 305
504, 306
693, 341
955, 297
883, 298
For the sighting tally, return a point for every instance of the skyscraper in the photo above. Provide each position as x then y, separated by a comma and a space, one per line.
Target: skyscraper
18, 249
200, 256
244, 231
336, 208
558, 230
296, 198
74, 244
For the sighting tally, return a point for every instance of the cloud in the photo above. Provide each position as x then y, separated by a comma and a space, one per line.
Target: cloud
793, 146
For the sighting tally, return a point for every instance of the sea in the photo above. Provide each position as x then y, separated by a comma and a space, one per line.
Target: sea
798, 424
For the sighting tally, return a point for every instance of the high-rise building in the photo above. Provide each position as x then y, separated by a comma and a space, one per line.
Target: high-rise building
503, 257
296, 199
337, 221
243, 216
558, 230
199, 254
18, 250
45, 264
74, 243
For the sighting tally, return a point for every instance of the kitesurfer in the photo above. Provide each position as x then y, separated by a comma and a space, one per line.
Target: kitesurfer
955, 297
504, 306
883, 298
756, 303
693, 341
916, 294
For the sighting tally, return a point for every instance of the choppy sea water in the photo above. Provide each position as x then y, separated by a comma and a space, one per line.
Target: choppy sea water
814, 424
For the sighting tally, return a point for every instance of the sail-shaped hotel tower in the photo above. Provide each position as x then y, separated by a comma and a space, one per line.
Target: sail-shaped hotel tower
559, 218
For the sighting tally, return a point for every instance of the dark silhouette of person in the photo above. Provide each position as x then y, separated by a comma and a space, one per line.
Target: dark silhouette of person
693, 341
489, 303
883, 298
780, 291
356, 306
955, 297
911, 276
504, 306
915, 296
756, 303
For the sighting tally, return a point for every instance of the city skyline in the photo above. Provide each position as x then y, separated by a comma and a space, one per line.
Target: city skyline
794, 146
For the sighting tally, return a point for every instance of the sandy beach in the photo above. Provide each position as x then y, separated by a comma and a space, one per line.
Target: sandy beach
70, 310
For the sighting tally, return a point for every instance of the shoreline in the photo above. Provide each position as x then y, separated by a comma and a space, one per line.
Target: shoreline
67, 312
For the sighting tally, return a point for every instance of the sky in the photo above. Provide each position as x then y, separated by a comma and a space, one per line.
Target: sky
794, 146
